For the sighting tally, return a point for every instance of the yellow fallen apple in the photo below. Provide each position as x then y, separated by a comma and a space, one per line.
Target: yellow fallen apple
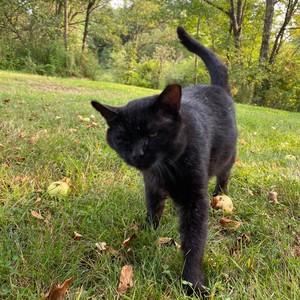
58, 188
222, 202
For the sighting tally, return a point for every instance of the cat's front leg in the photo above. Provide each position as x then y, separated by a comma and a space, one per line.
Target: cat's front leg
193, 231
155, 202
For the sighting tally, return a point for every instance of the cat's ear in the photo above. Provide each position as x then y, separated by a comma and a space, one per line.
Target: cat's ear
170, 98
109, 113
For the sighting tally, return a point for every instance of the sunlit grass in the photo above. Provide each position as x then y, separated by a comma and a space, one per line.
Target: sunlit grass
108, 195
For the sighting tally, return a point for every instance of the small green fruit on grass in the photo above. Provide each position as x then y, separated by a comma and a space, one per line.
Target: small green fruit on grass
58, 188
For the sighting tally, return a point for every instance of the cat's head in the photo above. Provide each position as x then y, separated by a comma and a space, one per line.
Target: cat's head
147, 130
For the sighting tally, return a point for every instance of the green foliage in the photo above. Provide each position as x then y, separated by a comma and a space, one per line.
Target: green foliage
135, 44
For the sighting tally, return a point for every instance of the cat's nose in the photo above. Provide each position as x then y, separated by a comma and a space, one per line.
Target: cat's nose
138, 154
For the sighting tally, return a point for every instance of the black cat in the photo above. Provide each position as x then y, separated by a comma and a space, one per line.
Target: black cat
179, 140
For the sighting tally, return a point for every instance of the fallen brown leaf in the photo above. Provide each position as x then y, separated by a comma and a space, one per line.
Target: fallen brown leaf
92, 125
38, 201
32, 117
230, 224
22, 134
166, 241
68, 182
33, 140
7, 100
58, 292
77, 236
114, 252
37, 215
250, 192
126, 280
134, 225
239, 163
244, 238
20, 179
243, 142
102, 246
128, 240
233, 251
1, 146
17, 158
272, 196
15, 149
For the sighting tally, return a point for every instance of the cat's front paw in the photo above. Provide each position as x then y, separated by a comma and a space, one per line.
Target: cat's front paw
194, 287
152, 221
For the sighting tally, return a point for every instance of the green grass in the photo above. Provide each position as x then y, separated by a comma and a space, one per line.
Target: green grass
108, 195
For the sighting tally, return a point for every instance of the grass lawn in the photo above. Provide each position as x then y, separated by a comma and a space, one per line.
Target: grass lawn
45, 136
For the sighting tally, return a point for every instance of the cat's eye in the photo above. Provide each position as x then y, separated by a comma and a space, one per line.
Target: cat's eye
152, 134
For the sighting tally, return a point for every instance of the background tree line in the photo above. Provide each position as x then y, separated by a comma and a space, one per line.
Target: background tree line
135, 43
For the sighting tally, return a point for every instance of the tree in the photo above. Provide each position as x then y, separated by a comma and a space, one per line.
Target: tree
91, 6
291, 8
236, 14
66, 23
266, 36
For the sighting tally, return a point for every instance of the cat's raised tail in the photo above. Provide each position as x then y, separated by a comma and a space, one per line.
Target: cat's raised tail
216, 68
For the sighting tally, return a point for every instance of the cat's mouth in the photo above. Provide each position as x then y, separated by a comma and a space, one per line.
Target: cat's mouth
141, 164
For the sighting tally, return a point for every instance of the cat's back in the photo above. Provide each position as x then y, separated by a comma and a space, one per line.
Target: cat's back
209, 108
207, 101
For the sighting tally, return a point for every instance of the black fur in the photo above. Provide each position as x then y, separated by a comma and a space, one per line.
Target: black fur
179, 140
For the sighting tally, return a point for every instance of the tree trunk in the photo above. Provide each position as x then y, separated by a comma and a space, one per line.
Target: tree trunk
268, 22
86, 23
290, 10
236, 15
66, 23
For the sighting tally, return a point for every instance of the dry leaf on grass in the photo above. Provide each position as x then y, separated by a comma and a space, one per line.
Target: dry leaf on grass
240, 241
37, 215
230, 224
21, 179
134, 225
166, 241
126, 280
17, 159
128, 240
244, 238
243, 142
272, 196
37, 201
22, 134
103, 247
77, 236
34, 139
58, 292
92, 125
239, 162
250, 192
